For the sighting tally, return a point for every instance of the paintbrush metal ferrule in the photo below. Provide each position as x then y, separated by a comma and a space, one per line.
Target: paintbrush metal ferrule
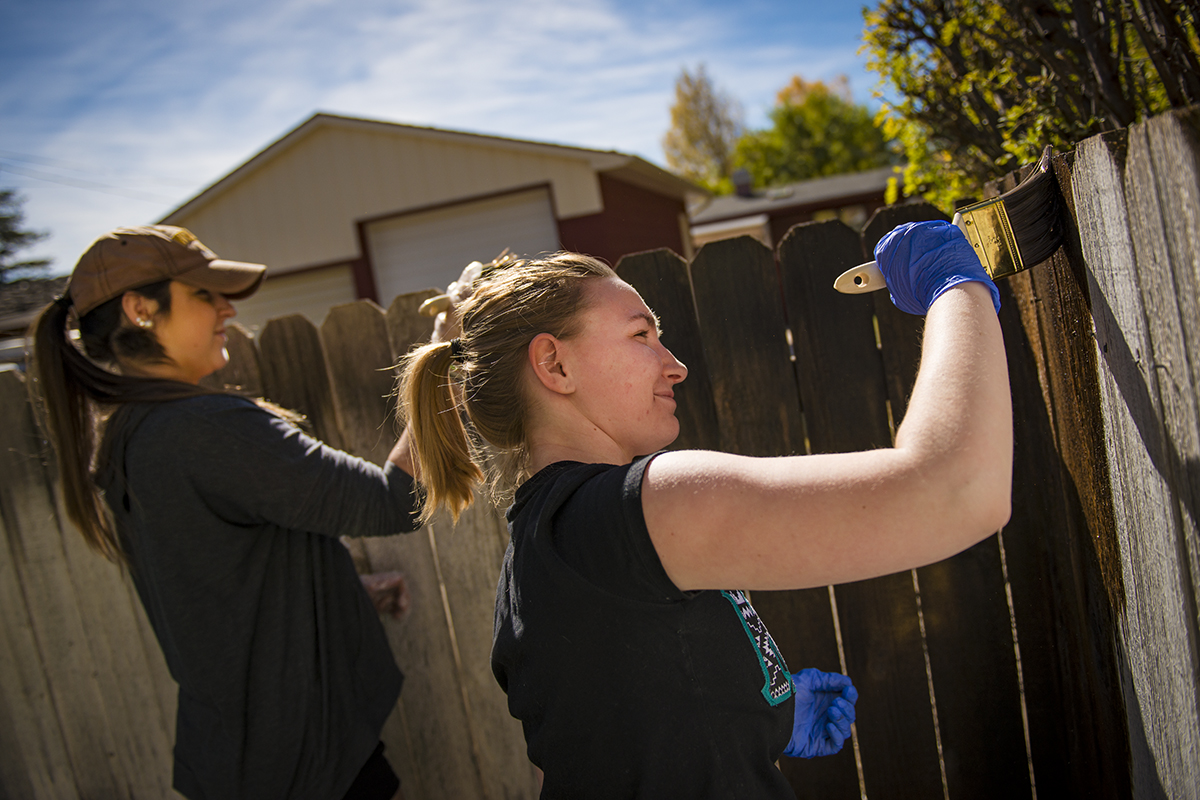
988, 229
1027, 219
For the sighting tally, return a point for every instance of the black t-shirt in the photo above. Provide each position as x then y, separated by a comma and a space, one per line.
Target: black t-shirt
626, 686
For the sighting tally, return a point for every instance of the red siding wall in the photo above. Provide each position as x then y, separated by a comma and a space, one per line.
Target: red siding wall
633, 220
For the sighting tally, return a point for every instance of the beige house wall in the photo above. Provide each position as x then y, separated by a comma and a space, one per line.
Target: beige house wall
298, 207
311, 293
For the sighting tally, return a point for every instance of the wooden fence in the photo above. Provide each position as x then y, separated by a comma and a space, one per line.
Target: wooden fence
1056, 659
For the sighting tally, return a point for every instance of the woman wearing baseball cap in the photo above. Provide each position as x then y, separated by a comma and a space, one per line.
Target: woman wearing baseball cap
228, 518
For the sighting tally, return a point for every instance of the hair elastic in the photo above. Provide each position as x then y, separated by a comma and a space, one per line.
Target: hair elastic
457, 351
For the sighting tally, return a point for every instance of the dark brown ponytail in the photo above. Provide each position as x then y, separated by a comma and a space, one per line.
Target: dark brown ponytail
73, 393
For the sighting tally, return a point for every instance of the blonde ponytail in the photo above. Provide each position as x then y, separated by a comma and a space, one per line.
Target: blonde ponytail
442, 452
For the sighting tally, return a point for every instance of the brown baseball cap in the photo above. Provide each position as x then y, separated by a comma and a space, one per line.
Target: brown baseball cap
127, 258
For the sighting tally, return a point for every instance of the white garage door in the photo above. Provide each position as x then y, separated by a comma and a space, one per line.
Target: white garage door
429, 249
311, 293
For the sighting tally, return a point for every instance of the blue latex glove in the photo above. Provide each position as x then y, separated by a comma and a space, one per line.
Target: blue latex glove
824, 711
920, 260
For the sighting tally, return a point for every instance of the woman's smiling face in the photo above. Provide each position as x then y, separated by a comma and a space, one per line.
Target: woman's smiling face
193, 333
624, 374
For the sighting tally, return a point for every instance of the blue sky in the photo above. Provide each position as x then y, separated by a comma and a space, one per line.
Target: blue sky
114, 112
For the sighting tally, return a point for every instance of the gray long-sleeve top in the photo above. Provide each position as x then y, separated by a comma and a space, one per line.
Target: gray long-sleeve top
229, 517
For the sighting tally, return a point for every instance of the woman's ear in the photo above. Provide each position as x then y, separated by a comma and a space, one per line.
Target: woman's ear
545, 358
139, 310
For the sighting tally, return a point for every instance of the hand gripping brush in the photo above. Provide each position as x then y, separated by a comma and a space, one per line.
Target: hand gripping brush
1010, 233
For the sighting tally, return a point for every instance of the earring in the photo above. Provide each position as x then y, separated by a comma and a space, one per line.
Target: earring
145, 323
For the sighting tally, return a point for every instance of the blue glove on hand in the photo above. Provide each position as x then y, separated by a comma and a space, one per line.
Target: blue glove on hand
920, 260
824, 711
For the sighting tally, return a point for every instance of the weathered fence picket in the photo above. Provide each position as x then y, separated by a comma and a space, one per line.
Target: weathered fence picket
1056, 659
1143, 291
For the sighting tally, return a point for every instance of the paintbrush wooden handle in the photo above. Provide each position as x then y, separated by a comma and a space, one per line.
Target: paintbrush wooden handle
867, 277
863, 278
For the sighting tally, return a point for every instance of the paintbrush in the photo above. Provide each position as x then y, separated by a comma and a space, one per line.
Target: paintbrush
1010, 233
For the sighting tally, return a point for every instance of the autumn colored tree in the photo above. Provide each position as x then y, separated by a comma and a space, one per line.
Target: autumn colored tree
975, 88
13, 237
705, 125
817, 129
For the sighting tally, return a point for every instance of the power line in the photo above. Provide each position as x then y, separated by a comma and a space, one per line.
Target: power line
80, 183
74, 166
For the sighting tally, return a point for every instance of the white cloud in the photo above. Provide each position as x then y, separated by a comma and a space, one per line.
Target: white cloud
156, 102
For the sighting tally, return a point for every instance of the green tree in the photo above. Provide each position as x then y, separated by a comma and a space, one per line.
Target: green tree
981, 86
817, 129
14, 238
705, 125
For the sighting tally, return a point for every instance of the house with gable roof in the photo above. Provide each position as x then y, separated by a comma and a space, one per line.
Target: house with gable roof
342, 208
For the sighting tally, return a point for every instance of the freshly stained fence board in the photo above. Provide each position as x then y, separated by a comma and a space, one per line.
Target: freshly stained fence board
661, 277
745, 339
744, 335
841, 385
967, 627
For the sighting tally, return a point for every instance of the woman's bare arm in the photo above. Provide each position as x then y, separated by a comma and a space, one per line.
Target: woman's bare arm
720, 521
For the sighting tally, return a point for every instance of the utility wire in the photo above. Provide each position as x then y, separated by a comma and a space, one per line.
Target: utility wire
80, 183
74, 166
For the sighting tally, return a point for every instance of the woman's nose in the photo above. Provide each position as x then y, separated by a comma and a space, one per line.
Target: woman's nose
224, 307
673, 368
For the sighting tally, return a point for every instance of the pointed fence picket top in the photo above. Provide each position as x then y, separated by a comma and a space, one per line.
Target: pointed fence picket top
744, 337
295, 376
360, 363
662, 278
406, 327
